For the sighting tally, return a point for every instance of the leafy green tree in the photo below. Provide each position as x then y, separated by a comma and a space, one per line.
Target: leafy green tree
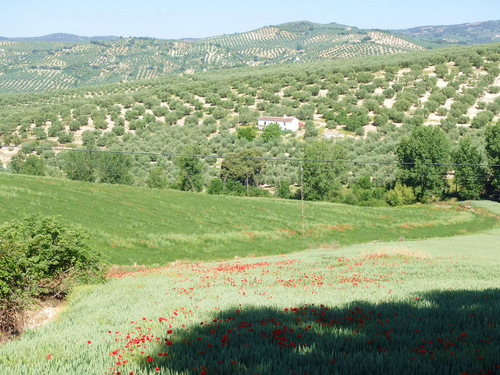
429, 145
468, 177
321, 170
402, 105
191, 169
80, 165
157, 178
171, 118
310, 130
356, 121
215, 187
34, 165
65, 137
380, 120
389, 93
247, 132
400, 195
396, 116
441, 70
31, 165
219, 112
40, 133
16, 162
243, 167
236, 188
114, 168
54, 129
492, 135
271, 131
283, 190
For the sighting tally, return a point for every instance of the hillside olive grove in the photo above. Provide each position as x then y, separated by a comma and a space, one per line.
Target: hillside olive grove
27, 66
439, 106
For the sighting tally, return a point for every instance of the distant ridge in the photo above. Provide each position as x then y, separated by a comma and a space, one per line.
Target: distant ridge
304, 26
60, 37
465, 33
481, 32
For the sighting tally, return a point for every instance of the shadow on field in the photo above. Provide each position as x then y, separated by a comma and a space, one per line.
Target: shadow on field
433, 333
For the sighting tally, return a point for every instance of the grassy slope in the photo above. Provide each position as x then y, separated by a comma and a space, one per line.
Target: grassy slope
146, 226
485, 247
396, 311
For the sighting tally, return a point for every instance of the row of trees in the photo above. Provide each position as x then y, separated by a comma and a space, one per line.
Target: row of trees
426, 154
427, 166
90, 166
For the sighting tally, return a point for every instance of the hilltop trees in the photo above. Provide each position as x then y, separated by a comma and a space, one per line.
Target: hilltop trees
421, 153
247, 132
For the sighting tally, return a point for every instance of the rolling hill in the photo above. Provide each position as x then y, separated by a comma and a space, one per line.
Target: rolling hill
58, 61
369, 102
132, 225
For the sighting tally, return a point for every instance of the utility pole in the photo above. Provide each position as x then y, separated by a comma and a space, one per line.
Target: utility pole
302, 199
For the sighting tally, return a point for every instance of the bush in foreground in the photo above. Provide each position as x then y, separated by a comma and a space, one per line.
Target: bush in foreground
41, 257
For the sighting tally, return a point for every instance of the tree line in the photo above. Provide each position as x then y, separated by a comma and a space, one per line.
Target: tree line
429, 168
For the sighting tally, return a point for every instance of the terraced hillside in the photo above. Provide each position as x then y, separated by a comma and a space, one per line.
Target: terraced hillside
39, 66
369, 103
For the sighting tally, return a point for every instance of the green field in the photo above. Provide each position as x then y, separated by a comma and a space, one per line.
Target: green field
412, 307
144, 226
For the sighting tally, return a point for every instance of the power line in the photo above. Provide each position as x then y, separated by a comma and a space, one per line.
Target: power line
248, 157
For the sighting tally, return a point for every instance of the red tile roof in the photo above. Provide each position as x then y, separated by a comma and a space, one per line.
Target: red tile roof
270, 118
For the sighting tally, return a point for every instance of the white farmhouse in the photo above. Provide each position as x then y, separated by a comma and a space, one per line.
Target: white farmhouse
285, 123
